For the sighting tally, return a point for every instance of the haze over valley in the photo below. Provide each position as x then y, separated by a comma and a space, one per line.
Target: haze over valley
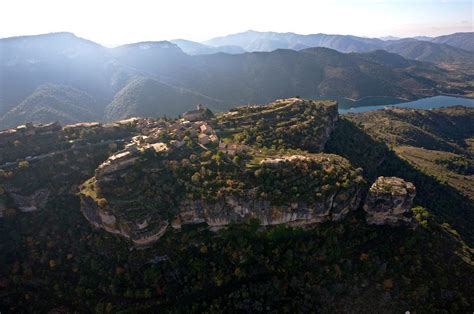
61, 77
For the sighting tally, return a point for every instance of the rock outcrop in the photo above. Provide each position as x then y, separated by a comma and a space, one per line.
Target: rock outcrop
389, 201
253, 166
300, 124
31, 202
330, 190
254, 169
332, 205
235, 210
168, 177
140, 232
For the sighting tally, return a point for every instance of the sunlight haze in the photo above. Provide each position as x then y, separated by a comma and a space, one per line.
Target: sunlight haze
118, 22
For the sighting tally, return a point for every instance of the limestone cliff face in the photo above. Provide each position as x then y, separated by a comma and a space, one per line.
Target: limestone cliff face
220, 214
389, 201
139, 232
143, 225
234, 210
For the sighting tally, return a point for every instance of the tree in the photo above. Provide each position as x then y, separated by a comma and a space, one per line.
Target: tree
237, 159
196, 178
87, 134
102, 202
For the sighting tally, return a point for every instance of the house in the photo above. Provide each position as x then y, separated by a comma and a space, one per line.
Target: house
139, 139
131, 147
82, 125
203, 139
159, 147
222, 146
232, 149
49, 128
206, 129
26, 129
127, 121
177, 144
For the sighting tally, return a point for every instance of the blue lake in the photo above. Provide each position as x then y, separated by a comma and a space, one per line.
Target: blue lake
425, 103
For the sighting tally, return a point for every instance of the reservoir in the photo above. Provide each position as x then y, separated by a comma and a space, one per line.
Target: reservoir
424, 103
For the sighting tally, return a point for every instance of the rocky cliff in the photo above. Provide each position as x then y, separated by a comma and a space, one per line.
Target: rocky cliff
171, 177
39, 162
325, 187
289, 123
389, 201
255, 162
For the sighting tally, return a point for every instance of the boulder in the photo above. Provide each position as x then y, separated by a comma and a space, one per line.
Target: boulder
389, 201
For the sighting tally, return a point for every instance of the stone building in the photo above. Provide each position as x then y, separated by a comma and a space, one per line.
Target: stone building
200, 113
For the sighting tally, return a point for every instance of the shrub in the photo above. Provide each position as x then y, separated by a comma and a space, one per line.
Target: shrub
421, 215
23, 164
102, 202
196, 178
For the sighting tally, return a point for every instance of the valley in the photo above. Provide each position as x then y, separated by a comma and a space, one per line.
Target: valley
47, 82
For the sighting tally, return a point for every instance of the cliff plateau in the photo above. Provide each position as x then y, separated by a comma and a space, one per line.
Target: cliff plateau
241, 165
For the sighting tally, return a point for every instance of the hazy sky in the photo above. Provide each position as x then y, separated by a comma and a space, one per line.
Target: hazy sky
113, 22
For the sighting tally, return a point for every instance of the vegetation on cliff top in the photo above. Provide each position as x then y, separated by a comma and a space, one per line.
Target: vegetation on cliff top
252, 162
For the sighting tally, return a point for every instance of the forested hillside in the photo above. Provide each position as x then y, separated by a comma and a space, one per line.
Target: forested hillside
113, 79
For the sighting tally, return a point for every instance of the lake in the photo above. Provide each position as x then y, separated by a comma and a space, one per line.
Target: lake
425, 103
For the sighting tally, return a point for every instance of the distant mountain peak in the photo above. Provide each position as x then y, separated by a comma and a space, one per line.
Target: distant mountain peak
194, 48
145, 45
53, 34
386, 38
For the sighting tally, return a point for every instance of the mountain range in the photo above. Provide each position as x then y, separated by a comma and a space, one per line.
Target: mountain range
62, 77
194, 48
268, 41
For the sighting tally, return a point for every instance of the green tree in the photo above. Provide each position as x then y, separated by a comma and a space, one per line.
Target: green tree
196, 178
237, 160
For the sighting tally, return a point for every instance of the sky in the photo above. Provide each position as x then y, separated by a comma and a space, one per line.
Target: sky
115, 22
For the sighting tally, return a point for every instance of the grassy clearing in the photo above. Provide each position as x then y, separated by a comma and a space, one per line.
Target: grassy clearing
425, 160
